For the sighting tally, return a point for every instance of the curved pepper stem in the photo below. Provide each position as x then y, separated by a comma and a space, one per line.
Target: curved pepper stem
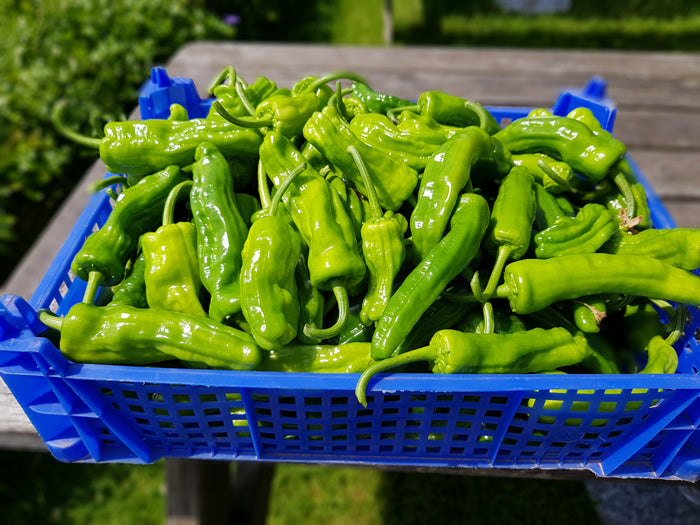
341, 298
624, 186
241, 86
374, 206
244, 122
171, 201
416, 108
107, 182
57, 119
503, 254
50, 320
427, 353
277, 197
227, 74
335, 75
95, 280
263, 188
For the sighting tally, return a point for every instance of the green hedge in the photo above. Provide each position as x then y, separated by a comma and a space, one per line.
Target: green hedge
93, 53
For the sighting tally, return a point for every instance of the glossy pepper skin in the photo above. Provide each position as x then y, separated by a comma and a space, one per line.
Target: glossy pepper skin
393, 180
137, 336
220, 230
172, 270
628, 201
378, 131
662, 358
141, 147
547, 209
570, 140
533, 284
132, 290
455, 352
563, 174
427, 280
592, 227
328, 359
235, 96
377, 102
311, 302
679, 247
383, 249
445, 177
510, 226
137, 210
318, 213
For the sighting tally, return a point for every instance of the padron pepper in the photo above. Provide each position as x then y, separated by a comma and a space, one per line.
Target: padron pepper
571, 141
334, 259
220, 230
662, 358
236, 96
533, 284
455, 352
383, 249
592, 227
269, 300
429, 278
131, 291
679, 247
628, 202
452, 110
556, 176
138, 209
393, 180
445, 177
328, 359
140, 147
172, 268
512, 216
375, 101
548, 209
311, 302
127, 335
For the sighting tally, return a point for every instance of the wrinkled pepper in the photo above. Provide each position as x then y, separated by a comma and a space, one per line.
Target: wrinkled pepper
455, 352
134, 336
383, 249
512, 215
569, 140
334, 259
220, 230
628, 202
237, 97
533, 284
662, 358
393, 180
172, 268
679, 247
375, 101
137, 210
131, 291
269, 297
311, 302
555, 176
446, 176
429, 278
592, 227
328, 359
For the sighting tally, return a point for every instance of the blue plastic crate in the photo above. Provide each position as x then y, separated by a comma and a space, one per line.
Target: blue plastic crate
624, 426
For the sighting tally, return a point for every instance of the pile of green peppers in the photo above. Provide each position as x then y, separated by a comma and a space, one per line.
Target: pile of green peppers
322, 228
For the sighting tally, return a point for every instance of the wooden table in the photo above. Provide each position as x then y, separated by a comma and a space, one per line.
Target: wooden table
656, 95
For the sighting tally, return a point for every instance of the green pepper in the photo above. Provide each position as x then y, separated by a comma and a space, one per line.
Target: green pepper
383, 249
328, 359
628, 202
335, 263
311, 302
556, 179
220, 230
512, 216
427, 281
548, 209
427, 127
172, 268
662, 357
505, 322
138, 209
589, 312
375, 101
571, 141
452, 110
446, 176
678, 247
140, 147
134, 336
354, 330
329, 133
237, 98
132, 290
455, 352
592, 227
532, 284
269, 297
378, 131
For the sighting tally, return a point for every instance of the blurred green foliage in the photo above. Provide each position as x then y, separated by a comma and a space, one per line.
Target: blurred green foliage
93, 53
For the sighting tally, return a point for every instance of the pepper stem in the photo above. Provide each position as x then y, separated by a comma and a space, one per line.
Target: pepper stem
624, 186
426, 353
481, 112
341, 298
335, 75
277, 197
501, 259
241, 86
394, 111
678, 325
71, 134
94, 282
263, 188
244, 122
107, 182
370, 192
228, 73
173, 196
50, 320
554, 175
